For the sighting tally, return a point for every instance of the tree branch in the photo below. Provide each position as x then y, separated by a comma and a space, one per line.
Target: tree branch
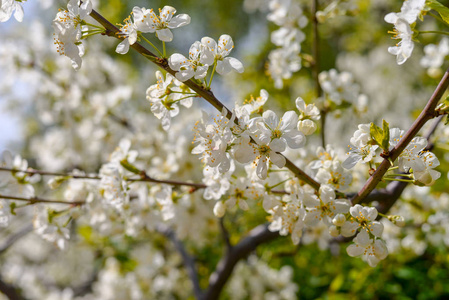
12, 292
218, 279
225, 234
112, 30
189, 262
15, 237
426, 114
40, 200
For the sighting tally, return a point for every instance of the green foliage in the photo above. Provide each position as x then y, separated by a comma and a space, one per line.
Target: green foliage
440, 8
381, 136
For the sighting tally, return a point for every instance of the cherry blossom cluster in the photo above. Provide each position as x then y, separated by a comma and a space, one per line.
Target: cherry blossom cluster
337, 8
340, 90
146, 20
243, 152
68, 26
286, 59
203, 55
434, 56
415, 159
165, 95
404, 22
10, 7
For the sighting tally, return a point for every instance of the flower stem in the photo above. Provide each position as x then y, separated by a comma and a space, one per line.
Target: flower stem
278, 184
93, 25
163, 47
151, 44
212, 74
434, 31
398, 179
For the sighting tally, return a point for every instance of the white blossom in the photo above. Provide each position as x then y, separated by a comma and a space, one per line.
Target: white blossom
219, 52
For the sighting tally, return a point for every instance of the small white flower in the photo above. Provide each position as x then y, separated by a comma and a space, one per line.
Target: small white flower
373, 251
364, 154
363, 218
307, 111
195, 66
219, 53
213, 140
128, 32
112, 186
335, 175
339, 87
403, 50
164, 96
361, 136
434, 56
324, 208
5, 214
67, 26
325, 158
254, 105
165, 21
284, 129
240, 191
261, 153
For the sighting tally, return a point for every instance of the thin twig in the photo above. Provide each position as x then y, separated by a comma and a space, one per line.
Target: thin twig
45, 173
218, 279
34, 200
427, 114
188, 260
15, 237
12, 292
113, 31
225, 234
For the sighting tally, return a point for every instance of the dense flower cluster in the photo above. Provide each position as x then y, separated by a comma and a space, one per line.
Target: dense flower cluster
249, 161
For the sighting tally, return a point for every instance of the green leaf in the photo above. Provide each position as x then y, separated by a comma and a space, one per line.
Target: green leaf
13, 206
129, 166
376, 134
439, 8
381, 136
386, 135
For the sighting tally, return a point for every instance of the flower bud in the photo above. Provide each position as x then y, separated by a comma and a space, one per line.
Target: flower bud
333, 231
219, 209
397, 220
55, 182
307, 126
339, 220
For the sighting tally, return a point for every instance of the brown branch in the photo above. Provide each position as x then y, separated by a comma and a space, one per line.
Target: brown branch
113, 31
225, 234
189, 262
218, 279
34, 200
15, 237
146, 178
426, 115
12, 292
45, 173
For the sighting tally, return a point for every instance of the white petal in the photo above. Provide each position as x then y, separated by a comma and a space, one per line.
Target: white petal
179, 20
123, 47
235, 64
164, 35
277, 159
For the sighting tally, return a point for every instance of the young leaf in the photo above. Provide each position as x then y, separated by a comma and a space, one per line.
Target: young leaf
376, 134
386, 135
439, 8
